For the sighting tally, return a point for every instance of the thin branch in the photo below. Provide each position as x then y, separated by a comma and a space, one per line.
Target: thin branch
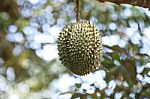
142, 3
77, 9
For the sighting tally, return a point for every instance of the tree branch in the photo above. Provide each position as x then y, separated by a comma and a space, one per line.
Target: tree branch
77, 9
142, 3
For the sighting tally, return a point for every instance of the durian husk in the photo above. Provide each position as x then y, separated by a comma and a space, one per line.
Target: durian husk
80, 47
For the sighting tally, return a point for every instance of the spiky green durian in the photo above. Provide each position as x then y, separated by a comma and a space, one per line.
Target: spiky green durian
80, 47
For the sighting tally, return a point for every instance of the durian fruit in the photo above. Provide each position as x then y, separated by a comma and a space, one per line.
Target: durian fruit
80, 47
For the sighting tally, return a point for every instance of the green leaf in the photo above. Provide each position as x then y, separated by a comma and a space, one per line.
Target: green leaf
78, 85
129, 71
108, 62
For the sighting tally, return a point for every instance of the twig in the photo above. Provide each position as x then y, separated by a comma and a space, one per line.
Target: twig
142, 3
77, 9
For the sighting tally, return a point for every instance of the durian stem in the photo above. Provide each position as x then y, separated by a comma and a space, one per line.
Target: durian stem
77, 10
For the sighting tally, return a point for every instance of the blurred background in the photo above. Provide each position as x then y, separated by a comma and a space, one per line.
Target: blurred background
30, 66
